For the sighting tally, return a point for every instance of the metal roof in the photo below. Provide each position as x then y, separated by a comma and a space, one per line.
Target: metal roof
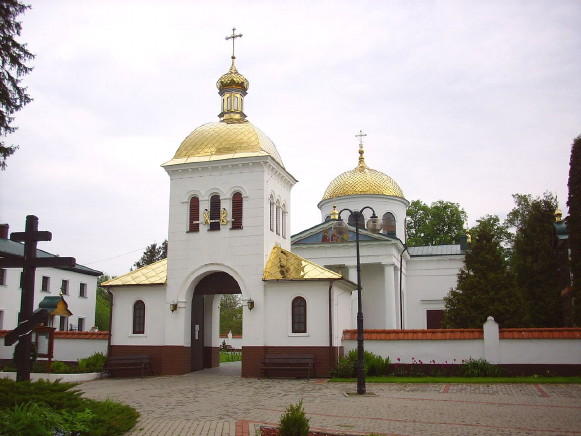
436, 250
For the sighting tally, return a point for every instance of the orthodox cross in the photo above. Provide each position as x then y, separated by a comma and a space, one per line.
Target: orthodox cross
233, 38
360, 136
27, 318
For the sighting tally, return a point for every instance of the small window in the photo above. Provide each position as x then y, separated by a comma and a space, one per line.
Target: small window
434, 319
284, 219
360, 224
237, 211
63, 323
65, 287
45, 284
215, 212
299, 315
271, 213
81, 324
139, 317
194, 215
278, 218
83, 290
2, 277
388, 224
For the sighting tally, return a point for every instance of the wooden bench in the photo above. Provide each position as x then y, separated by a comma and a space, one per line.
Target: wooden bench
288, 362
139, 362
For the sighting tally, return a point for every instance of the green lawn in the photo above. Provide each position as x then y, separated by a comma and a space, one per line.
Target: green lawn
230, 356
485, 380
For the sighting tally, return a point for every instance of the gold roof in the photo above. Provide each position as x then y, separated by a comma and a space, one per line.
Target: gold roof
222, 140
233, 79
284, 265
154, 274
362, 180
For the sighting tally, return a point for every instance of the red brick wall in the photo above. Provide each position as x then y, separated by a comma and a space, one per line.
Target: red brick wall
325, 358
165, 360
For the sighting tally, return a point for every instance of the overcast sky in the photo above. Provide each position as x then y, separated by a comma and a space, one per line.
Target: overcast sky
465, 101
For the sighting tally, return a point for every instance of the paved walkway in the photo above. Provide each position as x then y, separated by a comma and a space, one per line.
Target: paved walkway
219, 402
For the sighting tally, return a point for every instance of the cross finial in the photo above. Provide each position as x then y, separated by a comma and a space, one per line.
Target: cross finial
233, 38
360, 135
361, 159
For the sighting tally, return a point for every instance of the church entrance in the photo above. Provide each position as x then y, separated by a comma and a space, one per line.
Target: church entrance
205, 346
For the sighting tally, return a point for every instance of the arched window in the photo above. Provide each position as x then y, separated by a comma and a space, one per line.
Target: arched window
278, 217
388, 224
284, 218
271, 213
237, 211
299, 315
138, 317
215, 207
361, 224
194, 219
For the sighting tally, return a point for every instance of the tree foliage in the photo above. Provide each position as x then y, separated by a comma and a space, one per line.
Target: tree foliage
102, 305
440, 223
152, 253
13, 56
574, 223
231, 314
485, 285
534, 261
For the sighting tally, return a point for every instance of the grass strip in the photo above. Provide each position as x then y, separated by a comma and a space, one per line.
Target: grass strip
465, 380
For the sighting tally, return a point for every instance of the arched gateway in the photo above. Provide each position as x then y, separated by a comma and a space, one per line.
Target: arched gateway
206, 295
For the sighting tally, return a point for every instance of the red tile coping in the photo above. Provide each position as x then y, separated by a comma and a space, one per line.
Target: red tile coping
463, 334
71, 335
233, 336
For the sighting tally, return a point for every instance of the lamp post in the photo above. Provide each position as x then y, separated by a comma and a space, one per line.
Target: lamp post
340, 228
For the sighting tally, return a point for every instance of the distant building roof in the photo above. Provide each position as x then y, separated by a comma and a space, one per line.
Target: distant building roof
436, 250
15, 250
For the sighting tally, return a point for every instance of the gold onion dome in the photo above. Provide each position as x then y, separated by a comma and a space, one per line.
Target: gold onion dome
231, 137
362, 180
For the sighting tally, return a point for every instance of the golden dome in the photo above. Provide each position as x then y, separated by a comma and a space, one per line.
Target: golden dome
222, 140
362, 180
233, 79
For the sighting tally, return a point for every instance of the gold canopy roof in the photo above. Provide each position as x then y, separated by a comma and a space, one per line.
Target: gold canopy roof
285, 265
233, 79
153, 274
222, 140
362, 180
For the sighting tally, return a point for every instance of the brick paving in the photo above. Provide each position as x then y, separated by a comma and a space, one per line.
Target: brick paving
219, 402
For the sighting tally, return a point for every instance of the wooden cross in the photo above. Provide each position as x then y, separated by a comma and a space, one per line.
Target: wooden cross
360, 136
27, 318
233, 38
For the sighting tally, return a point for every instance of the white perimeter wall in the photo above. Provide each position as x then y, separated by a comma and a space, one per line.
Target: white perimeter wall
65, 349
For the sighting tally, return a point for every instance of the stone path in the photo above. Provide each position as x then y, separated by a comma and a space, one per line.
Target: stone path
219, 402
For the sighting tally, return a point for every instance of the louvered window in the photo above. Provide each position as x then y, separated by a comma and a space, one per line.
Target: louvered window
237, 211
194, 219
360, 224
138, 317
215, 207
299, 315
277, 218
388, 224
271, 214
284, 218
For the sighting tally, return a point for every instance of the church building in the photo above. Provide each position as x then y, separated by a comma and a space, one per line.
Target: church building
228, 233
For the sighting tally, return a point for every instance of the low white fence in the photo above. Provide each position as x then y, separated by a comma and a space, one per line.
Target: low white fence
536, 346
68, 346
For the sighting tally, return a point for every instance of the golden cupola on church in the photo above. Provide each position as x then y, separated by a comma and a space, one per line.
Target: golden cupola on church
233, 136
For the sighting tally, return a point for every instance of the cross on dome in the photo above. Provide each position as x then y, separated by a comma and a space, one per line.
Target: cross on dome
233, 38
360, 135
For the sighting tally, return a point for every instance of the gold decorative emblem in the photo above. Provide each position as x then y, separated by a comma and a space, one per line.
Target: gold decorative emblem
224, 216
206, 217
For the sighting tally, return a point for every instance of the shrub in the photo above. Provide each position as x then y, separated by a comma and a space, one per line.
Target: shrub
480, 368
59, 367
374, 365
294, 421
92, 363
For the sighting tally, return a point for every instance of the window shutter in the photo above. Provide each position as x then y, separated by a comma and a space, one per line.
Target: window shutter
237, 211
194, 225
215, 212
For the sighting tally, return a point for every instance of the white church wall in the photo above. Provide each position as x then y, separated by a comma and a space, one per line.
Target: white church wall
82, 307
155, 311
429, 280
341, 310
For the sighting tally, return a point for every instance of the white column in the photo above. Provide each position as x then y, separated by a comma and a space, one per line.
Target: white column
491, 341
390, 302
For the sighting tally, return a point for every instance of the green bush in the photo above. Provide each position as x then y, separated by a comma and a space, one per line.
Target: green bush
92, 363
480, 368
374, 365
59, 367
294, 422
19, 400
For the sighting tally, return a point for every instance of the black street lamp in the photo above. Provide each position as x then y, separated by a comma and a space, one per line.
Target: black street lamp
340, 228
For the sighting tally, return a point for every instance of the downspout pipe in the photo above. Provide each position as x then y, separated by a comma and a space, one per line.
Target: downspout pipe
405, 248
331, 354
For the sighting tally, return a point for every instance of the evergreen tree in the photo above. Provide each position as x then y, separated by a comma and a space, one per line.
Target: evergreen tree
153, 253
102, 305
13, 56
485, 285
534, 261
574, 224
230, 314
440, 223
